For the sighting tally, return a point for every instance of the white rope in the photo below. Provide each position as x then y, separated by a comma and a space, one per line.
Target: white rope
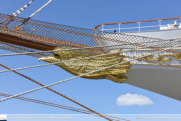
61, 106
77, 76
24, 53
67, 61
40, 9
15, 14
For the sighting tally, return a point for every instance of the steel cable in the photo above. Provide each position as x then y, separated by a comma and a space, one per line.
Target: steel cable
15, 14
61, 106
55, 91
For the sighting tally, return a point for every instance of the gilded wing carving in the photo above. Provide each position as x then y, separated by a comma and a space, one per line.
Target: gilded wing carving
83, 66
161, 57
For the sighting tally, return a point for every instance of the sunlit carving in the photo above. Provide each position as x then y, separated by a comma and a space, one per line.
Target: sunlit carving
161, 57
80, 67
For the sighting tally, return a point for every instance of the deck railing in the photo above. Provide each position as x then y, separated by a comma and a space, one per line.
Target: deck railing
139, 27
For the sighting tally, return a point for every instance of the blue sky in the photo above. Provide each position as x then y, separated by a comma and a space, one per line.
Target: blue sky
100, 95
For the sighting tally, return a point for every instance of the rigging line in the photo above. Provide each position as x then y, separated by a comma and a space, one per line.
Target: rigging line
77, 77
59, 106
70, 60
76, 49
39, 9
53, 91
47, 103
4, 20
15, 14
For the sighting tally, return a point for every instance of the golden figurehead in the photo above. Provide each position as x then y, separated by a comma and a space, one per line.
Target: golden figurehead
83, 66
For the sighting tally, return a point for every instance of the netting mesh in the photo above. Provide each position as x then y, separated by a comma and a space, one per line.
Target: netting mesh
21, 49
64, 36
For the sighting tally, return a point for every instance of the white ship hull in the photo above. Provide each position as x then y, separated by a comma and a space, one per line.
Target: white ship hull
163, 80
159, 79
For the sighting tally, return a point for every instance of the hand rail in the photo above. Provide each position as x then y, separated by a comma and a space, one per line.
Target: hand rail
136, 21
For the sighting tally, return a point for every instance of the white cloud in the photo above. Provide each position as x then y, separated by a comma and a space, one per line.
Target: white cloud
133, 99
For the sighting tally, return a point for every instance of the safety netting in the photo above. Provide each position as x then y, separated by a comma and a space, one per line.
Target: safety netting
64, 36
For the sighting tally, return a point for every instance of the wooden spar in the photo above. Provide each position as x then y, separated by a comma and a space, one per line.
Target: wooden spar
18, 37
24, 42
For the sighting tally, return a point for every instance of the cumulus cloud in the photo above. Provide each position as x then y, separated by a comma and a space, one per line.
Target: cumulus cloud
133, 99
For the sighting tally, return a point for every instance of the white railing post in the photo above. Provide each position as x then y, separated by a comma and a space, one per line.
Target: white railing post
102, 28
139, 26
119, 28
160, 23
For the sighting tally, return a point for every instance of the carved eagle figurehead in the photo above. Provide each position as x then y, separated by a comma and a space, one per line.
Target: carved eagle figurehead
82, 66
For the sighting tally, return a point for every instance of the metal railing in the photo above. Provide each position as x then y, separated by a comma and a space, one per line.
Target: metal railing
139, 27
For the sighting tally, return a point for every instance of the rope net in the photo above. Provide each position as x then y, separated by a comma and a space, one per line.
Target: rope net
64, 36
